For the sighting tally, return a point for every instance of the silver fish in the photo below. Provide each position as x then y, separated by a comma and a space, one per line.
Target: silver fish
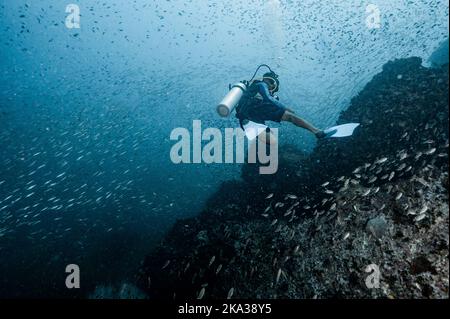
230, 293
201, 293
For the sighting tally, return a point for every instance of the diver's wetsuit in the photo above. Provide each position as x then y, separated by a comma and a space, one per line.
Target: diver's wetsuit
258, 105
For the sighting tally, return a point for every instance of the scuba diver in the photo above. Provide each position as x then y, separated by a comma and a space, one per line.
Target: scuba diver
255, 101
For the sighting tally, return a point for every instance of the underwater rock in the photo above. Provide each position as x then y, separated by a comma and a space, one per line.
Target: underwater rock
307, 231
377, 226
441, 55
202, 236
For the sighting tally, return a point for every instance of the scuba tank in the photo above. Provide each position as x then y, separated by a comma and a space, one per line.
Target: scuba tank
234, 96
232, 99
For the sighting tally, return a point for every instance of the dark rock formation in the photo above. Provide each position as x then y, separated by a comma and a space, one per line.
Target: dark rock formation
377, 200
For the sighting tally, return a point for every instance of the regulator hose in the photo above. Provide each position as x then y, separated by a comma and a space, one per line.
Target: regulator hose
259, 67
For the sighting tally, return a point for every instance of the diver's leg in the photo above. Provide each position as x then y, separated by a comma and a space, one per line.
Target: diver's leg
290, 117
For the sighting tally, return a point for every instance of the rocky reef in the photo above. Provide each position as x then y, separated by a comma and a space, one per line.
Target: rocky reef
329, 222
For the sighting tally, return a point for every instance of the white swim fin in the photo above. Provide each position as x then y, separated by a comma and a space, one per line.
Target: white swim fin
252, 129
342, 130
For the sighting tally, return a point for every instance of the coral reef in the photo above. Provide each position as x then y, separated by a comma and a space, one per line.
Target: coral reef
318, 227
125, 291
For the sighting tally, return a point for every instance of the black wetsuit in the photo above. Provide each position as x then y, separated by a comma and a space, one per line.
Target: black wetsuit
258, 105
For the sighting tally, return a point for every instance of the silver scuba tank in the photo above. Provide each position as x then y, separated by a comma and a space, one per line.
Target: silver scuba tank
231, 100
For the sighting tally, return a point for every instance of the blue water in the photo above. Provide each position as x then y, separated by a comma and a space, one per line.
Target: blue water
86, 114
